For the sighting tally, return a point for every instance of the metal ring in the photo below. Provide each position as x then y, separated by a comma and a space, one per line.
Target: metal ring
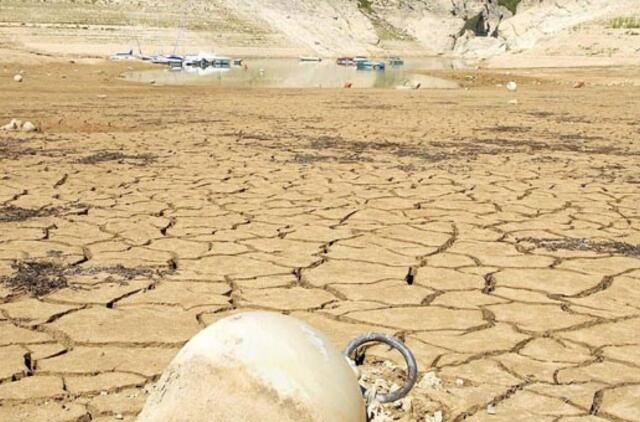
395, 343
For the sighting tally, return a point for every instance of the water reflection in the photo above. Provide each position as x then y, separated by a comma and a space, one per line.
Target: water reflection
292, 73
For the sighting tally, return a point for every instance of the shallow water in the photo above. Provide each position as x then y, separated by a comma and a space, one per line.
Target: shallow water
291, 73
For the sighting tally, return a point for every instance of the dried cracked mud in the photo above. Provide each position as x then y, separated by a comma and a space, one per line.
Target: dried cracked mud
499, 241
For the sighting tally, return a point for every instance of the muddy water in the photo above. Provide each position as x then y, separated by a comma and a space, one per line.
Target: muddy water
291, 73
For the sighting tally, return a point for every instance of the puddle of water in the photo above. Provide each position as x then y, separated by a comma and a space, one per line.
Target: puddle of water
291, 73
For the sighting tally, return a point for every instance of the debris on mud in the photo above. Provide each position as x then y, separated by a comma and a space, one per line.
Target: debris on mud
36, 278
120, 270
380, 376
607, 246
11, 214
39, 278
105, 156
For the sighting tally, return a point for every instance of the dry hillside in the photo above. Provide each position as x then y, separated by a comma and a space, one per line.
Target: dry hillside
475, 28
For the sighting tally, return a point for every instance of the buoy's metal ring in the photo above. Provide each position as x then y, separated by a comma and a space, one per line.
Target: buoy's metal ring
412, 365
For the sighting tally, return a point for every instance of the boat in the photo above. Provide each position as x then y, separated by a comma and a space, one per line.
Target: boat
396, 61
171, 60
220, 61
345, 61
237, 62
359, 59
206, 60
175, 64
370, 65
124, 56
310, 59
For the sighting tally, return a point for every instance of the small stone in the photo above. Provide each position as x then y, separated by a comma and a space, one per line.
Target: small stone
513, 102
388, 364
430, 380
29, 127
406, 405
119, 416
436, 417
152, 82
459, 382
18, 78
579, 84
491, 409
12, 125
512, 86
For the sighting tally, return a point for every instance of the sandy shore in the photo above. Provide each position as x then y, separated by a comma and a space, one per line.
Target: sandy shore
141, 214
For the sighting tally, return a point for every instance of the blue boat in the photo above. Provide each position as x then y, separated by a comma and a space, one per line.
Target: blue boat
370, 65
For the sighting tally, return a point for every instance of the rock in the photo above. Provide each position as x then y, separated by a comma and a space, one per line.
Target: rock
152, 81
513, 102
18, 78
512, 86
579, 84
430, 380
406, 404
459, 382
491, 409
29, 127
436, 417
12, 125
257, 366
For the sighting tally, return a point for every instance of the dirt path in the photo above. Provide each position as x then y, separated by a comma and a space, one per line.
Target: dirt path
500, 241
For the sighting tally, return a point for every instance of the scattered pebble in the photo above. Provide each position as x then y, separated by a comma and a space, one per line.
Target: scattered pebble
406, 404
102, 97
512, 86
152, 82
513, 102
491, 409
436, 417
579, 84
18, 78
119, 416
459, 382
430, 380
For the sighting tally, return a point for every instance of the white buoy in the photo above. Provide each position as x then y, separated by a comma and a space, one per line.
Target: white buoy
257, 366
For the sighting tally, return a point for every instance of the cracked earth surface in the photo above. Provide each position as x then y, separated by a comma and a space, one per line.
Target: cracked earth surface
500, 243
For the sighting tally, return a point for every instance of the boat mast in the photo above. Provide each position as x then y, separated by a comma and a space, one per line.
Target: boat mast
181, 28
